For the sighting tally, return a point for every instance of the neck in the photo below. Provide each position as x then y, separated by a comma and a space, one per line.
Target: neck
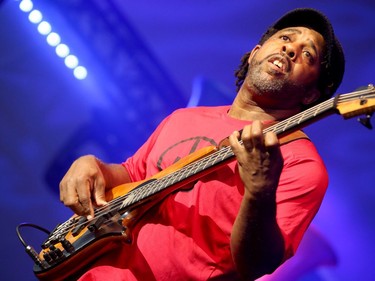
246, 107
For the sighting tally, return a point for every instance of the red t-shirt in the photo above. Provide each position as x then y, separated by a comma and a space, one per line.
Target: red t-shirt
187, 235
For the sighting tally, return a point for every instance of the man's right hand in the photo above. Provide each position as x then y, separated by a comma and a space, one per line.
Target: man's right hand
83, 186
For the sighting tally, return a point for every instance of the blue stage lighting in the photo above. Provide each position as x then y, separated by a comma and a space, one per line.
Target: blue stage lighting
62, 50
80, 72
44, 28
26, 6
53, 39
35, 16
71, 61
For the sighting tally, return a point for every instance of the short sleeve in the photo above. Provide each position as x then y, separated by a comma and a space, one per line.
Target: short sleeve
136, 165
302, 186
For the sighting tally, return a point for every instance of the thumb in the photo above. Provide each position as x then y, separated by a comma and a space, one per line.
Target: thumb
98, 194
99, 198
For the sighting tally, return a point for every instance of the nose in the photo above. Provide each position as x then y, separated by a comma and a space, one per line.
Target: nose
289, 51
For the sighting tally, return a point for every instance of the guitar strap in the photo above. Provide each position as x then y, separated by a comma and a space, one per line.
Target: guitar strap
293, 136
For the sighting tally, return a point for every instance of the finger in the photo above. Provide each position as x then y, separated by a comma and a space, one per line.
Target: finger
62, 188
273, 147
257, 137
246, 137
271, 140
69, 196
84, 197
99, 192
234, 139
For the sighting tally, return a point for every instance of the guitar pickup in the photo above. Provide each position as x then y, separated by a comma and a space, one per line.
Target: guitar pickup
80, 225
96, 223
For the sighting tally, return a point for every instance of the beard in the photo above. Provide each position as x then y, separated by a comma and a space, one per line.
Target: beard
270, 83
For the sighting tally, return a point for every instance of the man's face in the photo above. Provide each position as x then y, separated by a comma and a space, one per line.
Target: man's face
287, 66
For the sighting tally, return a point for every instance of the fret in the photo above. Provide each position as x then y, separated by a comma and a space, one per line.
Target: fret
286, 126
317, 111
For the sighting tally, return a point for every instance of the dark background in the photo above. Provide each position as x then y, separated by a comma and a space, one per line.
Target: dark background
145, 59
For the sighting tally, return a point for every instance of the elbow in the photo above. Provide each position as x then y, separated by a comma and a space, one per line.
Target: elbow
256, 267
251, 275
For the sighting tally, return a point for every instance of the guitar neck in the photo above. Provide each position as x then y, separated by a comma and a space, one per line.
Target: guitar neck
214, 160
303, 118
348, 105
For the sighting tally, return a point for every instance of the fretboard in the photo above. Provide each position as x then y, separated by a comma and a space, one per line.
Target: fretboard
214, 159
222, 155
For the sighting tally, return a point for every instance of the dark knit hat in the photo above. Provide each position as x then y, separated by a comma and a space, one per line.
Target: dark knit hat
333, 71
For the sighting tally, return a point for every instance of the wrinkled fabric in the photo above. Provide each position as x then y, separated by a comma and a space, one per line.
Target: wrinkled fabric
187, 235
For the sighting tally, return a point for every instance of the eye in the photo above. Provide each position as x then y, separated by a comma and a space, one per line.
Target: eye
309, 56
284, 38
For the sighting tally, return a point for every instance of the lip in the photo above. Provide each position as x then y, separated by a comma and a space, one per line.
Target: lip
279, 63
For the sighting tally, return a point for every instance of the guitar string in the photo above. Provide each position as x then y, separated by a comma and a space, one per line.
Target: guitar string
117, 203
329, 104
278, 127
114, 204
325, 105
315, 109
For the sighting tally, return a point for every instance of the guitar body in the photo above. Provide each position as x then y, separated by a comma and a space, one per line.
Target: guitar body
109, 229
72, 266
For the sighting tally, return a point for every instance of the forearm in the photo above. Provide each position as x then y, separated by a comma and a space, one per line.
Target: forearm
114, 174
256, 242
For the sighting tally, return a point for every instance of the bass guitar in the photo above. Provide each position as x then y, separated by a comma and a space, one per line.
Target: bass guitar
78, 240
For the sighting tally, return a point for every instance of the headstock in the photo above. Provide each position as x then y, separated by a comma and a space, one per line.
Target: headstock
360, 102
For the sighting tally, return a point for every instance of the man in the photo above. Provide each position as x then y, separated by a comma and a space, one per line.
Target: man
246, 218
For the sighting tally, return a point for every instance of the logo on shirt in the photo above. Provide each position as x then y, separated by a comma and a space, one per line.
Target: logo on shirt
178, 150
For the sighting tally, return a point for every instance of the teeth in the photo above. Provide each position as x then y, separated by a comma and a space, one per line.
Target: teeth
278, 63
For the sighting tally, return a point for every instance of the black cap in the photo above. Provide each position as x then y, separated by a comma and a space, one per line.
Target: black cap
334, 71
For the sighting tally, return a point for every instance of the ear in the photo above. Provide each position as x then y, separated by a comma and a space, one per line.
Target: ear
252, 53
311, 96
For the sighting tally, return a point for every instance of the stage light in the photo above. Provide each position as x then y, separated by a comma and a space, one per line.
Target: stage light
26, 6
44, 28
80, 72
62, 50
53, 39
71, 61
35, 16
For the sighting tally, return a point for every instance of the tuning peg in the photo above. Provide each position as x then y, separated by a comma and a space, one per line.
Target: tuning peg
366, 121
